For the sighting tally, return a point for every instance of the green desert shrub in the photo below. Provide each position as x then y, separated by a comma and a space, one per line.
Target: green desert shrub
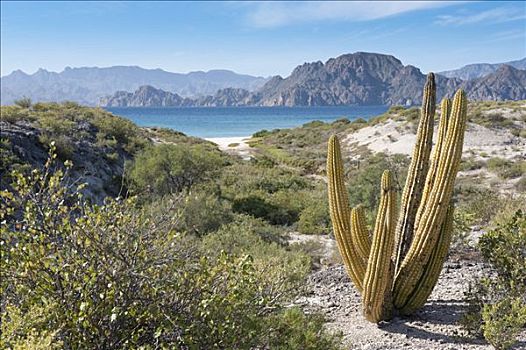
65, 147
497, 304
26, 330
503, 321
124, 131
130, 280
485, 205
482, 204
204, 212
9, 161
495, 163
272, 193
12, 114
315, 218
462, 222
279, 266
165, 169
515, 170
261, 133
363, 179
471, 164
24, 102
72, 122
507, 169
293, 330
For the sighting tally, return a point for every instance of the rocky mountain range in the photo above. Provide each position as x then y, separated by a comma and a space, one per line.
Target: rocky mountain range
87, 85
360, 78
479, 70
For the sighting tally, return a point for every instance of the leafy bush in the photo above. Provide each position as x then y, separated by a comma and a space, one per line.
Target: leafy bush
503, 321
204, 212
71, 122
281, 269
64, 145
130, 280
293, 330
261, 133
122, 130
274, 194
462, 222
13, 114
497, 304
315, 218
496, 163
28, 331
165, 169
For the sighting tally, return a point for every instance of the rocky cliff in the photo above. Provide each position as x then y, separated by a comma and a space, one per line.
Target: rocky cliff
506, 83
360, 78
145, 96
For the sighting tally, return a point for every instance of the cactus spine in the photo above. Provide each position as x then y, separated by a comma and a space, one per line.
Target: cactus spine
398, 270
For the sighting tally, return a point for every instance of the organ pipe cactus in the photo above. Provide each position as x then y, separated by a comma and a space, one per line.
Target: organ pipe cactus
398, 268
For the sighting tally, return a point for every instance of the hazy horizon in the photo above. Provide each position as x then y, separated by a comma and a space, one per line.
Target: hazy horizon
221, 69
260, 39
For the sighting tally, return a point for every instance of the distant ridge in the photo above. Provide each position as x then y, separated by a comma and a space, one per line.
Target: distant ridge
479, 70
87, 85
352, 79
506, 83
360, 78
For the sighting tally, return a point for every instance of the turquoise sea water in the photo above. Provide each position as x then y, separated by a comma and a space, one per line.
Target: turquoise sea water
239, 121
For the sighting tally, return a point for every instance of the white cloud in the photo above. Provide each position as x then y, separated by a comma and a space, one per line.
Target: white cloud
496, 15
275, 14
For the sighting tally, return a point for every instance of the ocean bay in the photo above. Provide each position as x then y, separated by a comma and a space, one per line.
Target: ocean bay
215, 122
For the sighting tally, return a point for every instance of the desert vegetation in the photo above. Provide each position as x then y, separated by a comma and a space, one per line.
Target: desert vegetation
184, 246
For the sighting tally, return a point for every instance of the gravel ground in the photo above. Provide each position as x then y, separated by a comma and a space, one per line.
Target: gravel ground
435, 326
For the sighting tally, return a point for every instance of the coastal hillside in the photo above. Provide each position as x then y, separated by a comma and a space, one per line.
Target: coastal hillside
479, 70
353, 79
86, 85
98, 143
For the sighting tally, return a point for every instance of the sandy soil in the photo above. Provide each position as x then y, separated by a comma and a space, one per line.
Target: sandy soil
236, 145
396, 137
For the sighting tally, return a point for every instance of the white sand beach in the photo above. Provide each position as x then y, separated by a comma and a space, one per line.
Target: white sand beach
237, 145
223, 142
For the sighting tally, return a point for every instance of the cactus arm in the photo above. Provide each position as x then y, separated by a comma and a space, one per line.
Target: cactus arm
418, 169
340, 214
432, 270
379, 274
431, 213
437, 150
360, 234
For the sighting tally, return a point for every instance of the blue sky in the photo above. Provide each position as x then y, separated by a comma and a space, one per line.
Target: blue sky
255, 37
